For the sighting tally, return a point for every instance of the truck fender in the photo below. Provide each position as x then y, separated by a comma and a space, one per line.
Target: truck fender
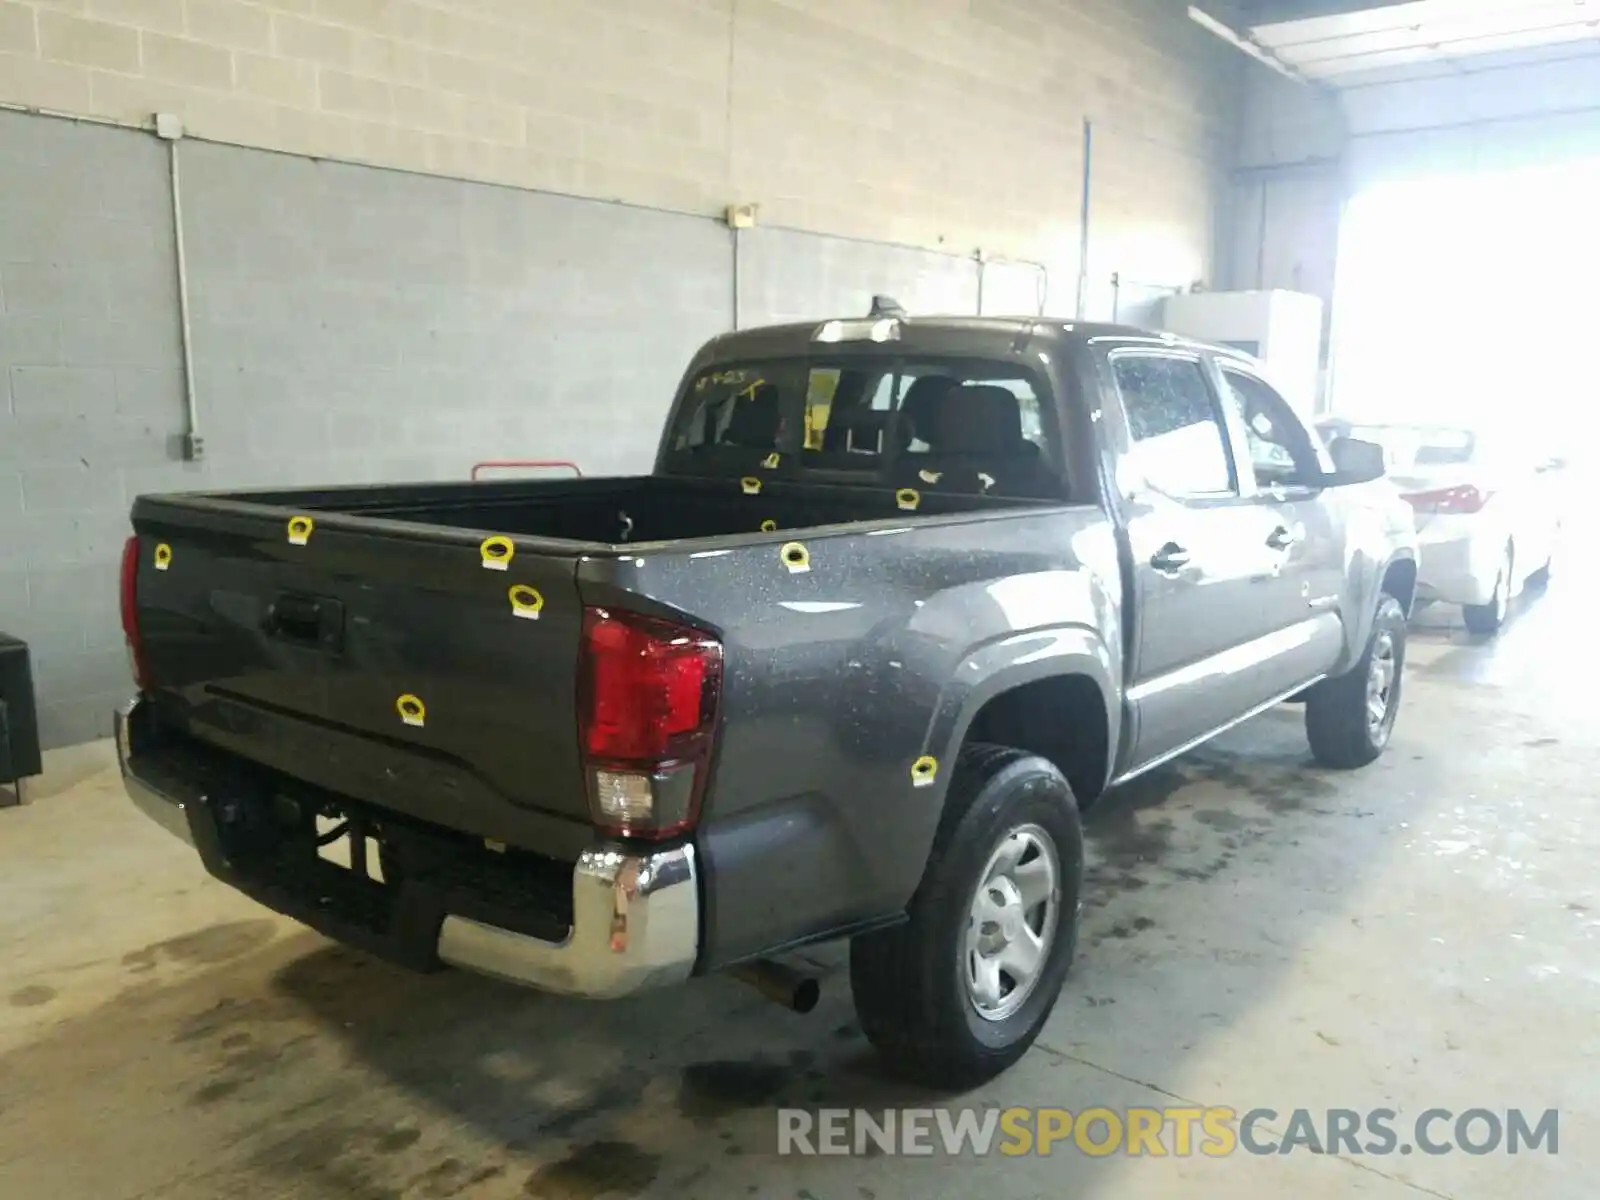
1364, 605
996, 667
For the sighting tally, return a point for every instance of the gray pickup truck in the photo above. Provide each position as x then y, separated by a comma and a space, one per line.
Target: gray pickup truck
900, 598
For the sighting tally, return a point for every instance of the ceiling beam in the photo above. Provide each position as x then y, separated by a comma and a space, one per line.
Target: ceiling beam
1245, 42
1273, 12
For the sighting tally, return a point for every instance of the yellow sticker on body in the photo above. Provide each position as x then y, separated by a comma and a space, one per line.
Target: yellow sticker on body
526, 602
412, 710
796, 558
300, 530
497, 553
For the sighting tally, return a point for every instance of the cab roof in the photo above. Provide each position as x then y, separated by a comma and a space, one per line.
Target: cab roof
981, 336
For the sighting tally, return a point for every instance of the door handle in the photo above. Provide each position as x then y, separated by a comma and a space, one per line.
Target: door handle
1170, 558
1282, 538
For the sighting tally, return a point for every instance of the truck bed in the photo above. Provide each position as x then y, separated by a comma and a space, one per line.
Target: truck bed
616, 511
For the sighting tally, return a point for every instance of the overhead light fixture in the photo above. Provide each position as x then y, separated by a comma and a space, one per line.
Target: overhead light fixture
1244, 42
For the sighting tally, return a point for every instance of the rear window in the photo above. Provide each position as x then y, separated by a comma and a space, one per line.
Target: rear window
968, 426
1407, 446
1445, 447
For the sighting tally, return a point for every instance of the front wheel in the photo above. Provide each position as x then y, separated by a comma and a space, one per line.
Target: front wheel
1350, 718
960, 991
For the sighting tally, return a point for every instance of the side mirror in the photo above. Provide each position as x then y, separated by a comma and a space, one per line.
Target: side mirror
1356, 461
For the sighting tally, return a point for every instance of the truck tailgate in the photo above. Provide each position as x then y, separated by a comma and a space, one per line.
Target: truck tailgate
403, 665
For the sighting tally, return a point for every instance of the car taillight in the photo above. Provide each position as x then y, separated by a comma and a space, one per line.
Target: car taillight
647, 706
1465, 498
130, 612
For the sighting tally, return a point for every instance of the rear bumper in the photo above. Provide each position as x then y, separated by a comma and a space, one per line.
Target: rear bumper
635, 917
1457, 570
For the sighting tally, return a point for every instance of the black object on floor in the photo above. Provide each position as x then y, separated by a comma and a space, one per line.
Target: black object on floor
19, 720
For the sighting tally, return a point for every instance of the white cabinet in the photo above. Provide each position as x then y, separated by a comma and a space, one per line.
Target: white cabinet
1282, 329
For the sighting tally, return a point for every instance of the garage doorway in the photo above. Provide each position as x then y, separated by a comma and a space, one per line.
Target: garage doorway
1469, 298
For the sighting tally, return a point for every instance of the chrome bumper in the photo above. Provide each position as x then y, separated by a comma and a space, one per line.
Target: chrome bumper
635, 917
635, 924
166, 811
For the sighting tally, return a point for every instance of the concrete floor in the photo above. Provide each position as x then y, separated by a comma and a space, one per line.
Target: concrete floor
1424, 933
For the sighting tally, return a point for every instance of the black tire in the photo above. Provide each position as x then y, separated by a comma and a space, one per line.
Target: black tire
910, 981
1337, 718
1486, 620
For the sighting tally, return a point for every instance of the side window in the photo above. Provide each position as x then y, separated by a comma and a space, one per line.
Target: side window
1180, 442
1280, 451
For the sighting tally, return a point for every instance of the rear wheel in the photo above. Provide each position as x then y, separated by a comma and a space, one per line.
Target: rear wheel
1486, 619
960, 991
1350, 718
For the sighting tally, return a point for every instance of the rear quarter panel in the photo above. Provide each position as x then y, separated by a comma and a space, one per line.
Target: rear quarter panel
839, 677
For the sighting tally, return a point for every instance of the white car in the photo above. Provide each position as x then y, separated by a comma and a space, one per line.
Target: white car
1488, 512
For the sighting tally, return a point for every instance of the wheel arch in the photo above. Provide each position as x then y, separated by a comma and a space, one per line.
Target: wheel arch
1052, 693
1399, 579
1399, 570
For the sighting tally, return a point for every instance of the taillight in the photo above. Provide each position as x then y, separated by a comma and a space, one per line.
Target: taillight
130, 612
1464, 498
647, 706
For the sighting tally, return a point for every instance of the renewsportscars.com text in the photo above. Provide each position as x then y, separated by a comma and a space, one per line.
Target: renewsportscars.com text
1161, 1132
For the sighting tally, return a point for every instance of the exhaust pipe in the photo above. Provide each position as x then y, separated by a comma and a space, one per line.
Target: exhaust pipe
795, 990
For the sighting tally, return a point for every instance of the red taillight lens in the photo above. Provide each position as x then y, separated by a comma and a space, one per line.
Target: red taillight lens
647, 704
130, 612
649, 686
1465, 498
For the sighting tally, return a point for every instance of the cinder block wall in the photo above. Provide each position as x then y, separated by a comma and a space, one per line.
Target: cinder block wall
951, 123
355, 323
90, 394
